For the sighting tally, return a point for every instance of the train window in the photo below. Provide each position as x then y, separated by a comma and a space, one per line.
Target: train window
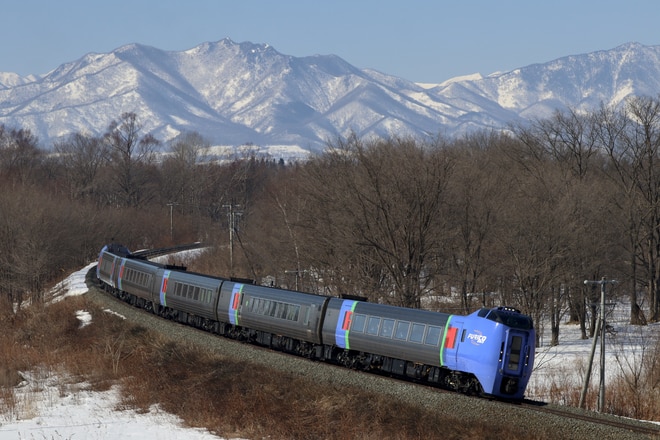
387, 328
402, 328
196, 296
106, 265
372, 326
308, 310
292, 312
417, 333
433, 336
358, 323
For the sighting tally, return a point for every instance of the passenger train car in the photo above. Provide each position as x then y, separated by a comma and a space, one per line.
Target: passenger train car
489, 352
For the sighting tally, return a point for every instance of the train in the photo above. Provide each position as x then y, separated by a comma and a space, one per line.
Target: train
489, 352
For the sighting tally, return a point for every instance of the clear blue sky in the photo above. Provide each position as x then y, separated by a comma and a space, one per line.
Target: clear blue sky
424, 41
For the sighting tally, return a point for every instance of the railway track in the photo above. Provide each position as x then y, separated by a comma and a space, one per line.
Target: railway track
589, 421
634, 426
151, 253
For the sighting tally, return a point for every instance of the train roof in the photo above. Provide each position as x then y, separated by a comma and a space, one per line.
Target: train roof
507, 316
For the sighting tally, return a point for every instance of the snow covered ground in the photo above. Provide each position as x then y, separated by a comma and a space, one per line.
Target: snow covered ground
45, 409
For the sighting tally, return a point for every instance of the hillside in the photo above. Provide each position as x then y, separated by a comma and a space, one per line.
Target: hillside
244, 93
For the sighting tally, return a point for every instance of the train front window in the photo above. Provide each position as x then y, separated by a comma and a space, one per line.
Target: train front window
513, 320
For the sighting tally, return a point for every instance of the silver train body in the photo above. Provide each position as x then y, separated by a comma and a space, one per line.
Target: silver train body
489, 352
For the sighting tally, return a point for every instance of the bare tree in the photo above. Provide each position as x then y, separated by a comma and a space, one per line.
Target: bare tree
477, 192
131, 153
186, 178
20, 155
563, 156
377, 209
82, 156
631, 137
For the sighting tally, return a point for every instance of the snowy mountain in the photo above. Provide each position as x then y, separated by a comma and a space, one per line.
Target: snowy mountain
244, 93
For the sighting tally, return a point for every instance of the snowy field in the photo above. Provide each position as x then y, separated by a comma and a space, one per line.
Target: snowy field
46, 409
565, 366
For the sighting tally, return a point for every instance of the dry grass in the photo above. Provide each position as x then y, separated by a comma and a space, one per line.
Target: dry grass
229, 398
634, 393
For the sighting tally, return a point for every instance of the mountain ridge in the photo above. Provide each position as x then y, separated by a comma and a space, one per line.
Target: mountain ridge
246, 93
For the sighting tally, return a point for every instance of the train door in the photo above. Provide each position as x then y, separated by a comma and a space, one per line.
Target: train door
516, 352
453, 335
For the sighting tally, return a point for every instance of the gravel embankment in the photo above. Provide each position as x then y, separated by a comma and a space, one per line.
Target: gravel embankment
535, 424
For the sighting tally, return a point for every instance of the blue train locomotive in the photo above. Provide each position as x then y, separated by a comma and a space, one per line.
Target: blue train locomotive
489, 352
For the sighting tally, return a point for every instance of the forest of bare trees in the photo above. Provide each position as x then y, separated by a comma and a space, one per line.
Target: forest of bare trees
520, 218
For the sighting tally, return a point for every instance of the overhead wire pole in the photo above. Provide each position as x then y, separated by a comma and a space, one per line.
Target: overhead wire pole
232, 228
171, 205
600, 327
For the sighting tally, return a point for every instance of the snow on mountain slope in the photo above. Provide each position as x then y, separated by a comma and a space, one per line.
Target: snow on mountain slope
245, 93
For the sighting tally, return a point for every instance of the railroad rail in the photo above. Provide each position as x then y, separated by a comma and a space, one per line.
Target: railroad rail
636, 426
151, 253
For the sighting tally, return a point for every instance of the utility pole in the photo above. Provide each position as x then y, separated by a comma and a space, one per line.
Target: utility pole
232, 214
600, 327
171, 205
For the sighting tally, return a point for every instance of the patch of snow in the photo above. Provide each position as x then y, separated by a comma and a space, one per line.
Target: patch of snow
43, 408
